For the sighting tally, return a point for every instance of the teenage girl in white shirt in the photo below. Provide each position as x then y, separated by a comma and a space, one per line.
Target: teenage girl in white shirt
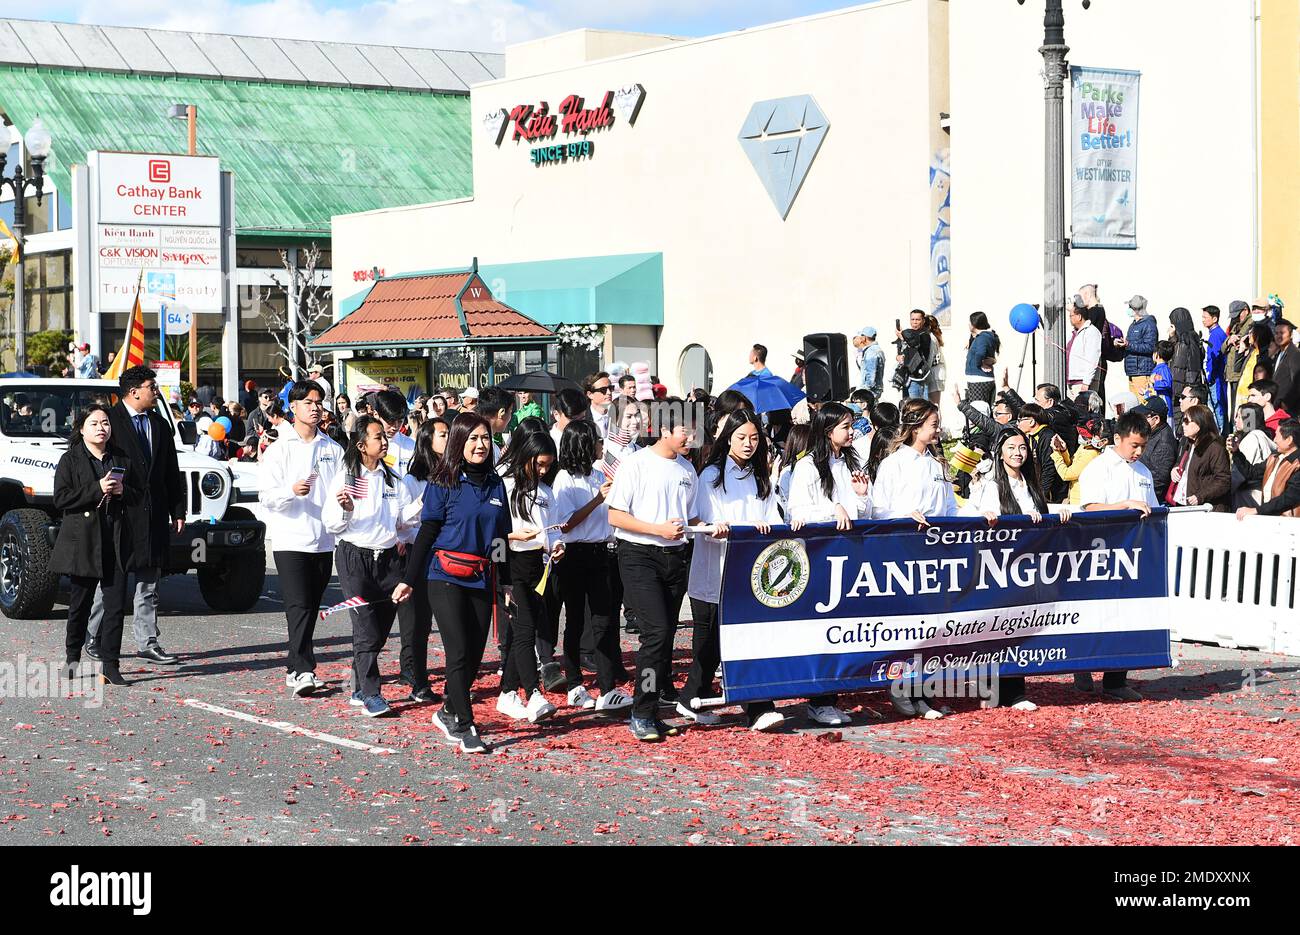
912, 482
829, 485
1012, 490
531, 503
735, 490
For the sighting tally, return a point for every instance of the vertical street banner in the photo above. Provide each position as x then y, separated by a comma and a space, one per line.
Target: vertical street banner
818, 611
1103, 158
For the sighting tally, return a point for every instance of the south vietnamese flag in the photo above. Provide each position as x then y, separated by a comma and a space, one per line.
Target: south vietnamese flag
132, 353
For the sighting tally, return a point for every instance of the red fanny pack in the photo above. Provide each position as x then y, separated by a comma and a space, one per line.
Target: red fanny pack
461, 564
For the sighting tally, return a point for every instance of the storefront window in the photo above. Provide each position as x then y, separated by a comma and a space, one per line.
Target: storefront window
47, 279
451, 367
695, 369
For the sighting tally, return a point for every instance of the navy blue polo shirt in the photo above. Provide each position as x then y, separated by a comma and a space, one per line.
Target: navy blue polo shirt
472, 519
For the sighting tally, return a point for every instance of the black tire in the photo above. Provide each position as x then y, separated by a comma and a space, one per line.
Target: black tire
26, 584
235, 584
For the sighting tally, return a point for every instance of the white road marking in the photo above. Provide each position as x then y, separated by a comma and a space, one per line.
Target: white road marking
286, 727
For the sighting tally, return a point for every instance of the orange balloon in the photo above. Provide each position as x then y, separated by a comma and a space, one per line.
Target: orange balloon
217, 432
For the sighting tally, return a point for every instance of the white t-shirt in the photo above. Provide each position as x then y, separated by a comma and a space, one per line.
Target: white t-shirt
988, 500
541, 515
654, 489
415, 490
572, 493
377, 519
1108, 478
737, 504
807, 501
293, 523
908, 481
401, 449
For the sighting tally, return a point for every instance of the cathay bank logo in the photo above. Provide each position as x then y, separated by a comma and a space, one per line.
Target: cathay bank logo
85, 888
781, 138
160, 170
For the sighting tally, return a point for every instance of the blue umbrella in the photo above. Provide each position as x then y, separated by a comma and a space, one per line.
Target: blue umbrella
768, 392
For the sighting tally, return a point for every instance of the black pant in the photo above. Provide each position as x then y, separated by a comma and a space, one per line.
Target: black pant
706, 650
1011, 690
584, 584
654, 579
519, 660
548, 624
415, 623
303, 578
371, 575
81, 597
1116, 679
464, 618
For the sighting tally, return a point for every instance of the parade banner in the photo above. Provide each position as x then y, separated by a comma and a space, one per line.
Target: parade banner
820, 611
1104, 154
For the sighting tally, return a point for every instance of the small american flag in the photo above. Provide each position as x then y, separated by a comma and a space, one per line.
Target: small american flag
358, 488
345, 605
609, 464
619, 437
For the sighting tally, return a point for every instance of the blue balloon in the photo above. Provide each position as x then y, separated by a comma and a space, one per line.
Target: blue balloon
224, 422
1024, 318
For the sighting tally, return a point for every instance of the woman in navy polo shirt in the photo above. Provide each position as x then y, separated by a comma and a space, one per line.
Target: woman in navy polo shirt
461, 554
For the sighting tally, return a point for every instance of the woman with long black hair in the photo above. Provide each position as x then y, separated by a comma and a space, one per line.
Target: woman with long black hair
366, 504
93, 484
981, 355
1013, 490
1188, 365
464, 514
912, 481
430, 444
828, 485
581, 487
531, 505
735, 490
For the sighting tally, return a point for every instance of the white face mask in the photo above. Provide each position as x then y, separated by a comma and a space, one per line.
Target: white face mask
1256, 316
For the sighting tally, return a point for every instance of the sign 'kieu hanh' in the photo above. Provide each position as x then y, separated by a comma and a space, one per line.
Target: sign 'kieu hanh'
563, 132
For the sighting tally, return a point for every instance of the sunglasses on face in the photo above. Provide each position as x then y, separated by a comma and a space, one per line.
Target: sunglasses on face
1187, 421
601, 389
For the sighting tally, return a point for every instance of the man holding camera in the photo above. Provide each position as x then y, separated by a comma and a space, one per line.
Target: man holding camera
913, 357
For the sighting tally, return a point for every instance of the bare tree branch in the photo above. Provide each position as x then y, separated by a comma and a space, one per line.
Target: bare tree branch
314, 306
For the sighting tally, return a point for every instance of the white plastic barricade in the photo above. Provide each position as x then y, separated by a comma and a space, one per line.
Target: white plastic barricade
1234, 582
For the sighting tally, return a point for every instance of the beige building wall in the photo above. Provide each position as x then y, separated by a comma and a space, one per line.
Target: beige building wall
854, 249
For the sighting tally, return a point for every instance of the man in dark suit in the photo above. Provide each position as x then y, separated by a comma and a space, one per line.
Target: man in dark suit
146, 438
1286, 368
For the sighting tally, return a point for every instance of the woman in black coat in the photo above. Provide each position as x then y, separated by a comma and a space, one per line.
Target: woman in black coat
1188, 366
93, 485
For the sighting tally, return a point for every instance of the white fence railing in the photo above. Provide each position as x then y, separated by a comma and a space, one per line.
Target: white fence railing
1234, 582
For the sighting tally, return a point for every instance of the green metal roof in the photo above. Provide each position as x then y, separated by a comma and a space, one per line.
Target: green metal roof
620, 289
300, 153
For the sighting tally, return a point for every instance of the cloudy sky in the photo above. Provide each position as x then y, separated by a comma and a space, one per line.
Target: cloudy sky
459, 24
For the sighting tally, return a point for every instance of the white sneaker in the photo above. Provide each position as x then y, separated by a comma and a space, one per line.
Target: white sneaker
539, 709
612, 700
699, 717
316, 681
289, 678
768, 720
829, 715
509, 704
581, 698
1025, 705
303, 684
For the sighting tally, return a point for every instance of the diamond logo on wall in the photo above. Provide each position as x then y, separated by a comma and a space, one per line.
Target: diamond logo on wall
781, 138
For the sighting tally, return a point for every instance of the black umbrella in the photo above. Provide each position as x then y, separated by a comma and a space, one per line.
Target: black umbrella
538, 381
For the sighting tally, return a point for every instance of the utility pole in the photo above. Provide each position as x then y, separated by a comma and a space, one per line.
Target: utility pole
192, 119
1055, 246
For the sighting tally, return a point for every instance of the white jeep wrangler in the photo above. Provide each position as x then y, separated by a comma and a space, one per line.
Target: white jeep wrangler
225, 543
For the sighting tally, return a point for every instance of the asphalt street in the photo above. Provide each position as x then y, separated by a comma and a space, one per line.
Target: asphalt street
214, 751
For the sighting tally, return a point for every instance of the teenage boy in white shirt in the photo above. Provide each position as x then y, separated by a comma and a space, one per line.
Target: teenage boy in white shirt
650, 505
1117, 480
296, 471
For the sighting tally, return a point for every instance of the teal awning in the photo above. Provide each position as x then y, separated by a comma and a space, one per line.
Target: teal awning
623, 289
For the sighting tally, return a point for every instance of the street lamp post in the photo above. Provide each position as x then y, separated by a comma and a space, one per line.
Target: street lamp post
190, 114
1055, 246
38, 143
